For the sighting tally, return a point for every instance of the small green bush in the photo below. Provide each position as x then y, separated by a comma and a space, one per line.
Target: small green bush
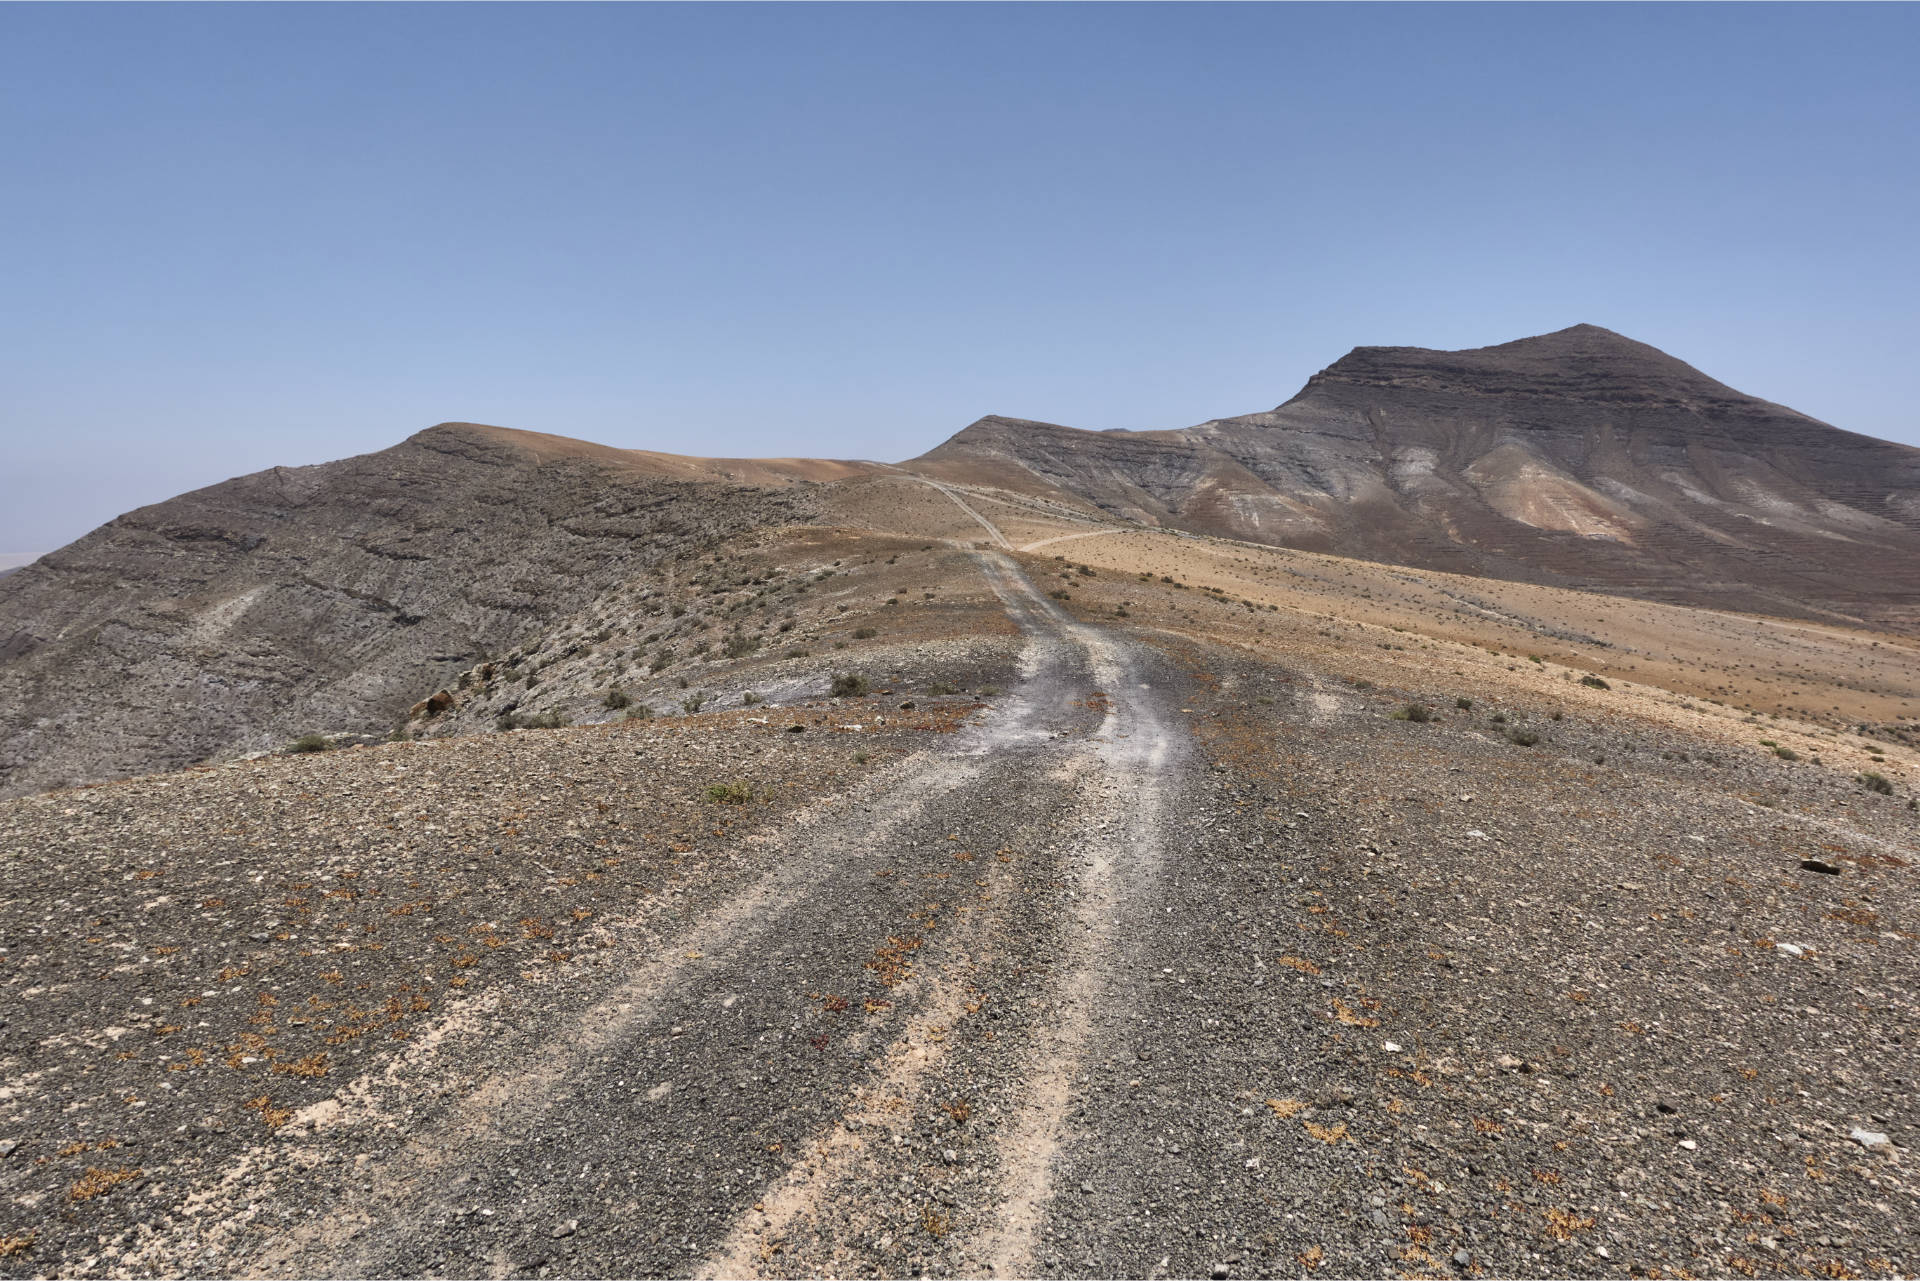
616, 699
864, 633
1594, 682
735, 793
1522, 737
639, 712
1419, 713
1786, 753
1464, 704
693, 702
749, 698
310, 743
1874, 782
937, 689
848, 685
1498, 718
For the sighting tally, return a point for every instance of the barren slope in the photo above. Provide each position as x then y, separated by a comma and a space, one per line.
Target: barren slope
1580, 458
330, 597
1163, 949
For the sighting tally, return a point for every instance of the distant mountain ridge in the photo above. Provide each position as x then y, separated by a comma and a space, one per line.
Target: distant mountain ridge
1580, 458
332, 597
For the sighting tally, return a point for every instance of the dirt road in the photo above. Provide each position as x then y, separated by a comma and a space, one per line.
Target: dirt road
758, 1097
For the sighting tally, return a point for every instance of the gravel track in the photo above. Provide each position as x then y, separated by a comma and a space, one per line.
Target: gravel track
755, 1096
1179, 961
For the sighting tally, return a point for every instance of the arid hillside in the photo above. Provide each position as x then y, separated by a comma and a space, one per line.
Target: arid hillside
1019, 896
1579, 459
338, 599
234, 617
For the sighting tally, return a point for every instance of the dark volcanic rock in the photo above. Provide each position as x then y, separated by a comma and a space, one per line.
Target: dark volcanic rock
324, 598
1580, 458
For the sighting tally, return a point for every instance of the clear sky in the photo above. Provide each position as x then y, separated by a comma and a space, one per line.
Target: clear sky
239, 235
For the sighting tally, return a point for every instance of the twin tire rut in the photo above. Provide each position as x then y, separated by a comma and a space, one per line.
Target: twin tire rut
865, 1062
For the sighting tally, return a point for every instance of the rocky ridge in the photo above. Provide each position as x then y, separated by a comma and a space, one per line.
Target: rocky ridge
330, 597
1579, 458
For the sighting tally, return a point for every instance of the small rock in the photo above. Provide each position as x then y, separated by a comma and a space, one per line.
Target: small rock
1790, 949
1871, 1140
1379, 1218
1689, 1145
796, 729
1461, 1259
1086, 1187
1820, 865
1391, 1047
1221, 1272
566, 1229
7, 1146
951, 1156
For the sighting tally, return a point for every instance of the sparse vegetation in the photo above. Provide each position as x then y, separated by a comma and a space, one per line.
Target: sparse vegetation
864, 633
1786, 753
734, 793
310, 743
848, 685
97, 1182
1594, 682
1419, 713
616, 699
1464, 704
1876, 782
538, 720
1522, 737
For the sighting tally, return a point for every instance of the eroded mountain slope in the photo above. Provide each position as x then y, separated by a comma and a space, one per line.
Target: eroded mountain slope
332, 597
1578, 458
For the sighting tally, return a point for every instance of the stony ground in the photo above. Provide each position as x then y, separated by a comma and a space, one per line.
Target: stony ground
1175, 954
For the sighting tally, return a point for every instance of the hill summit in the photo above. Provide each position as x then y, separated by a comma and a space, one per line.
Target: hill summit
1579, 458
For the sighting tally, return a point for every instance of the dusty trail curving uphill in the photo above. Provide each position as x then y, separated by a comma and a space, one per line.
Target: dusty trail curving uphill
960, 925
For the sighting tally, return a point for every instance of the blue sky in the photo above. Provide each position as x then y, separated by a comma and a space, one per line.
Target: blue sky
234, 236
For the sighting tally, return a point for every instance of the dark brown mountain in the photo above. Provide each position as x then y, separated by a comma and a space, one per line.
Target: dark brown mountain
1579, 458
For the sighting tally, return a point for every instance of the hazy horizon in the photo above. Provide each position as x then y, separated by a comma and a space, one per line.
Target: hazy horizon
255, 236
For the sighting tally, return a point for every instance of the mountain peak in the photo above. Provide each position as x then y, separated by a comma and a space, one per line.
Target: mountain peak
1580, 363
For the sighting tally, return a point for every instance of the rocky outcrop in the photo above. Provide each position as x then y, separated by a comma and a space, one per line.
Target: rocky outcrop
326, 598
1580, 458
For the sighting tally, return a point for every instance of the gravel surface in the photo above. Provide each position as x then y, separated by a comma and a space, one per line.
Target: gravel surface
1173, 959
